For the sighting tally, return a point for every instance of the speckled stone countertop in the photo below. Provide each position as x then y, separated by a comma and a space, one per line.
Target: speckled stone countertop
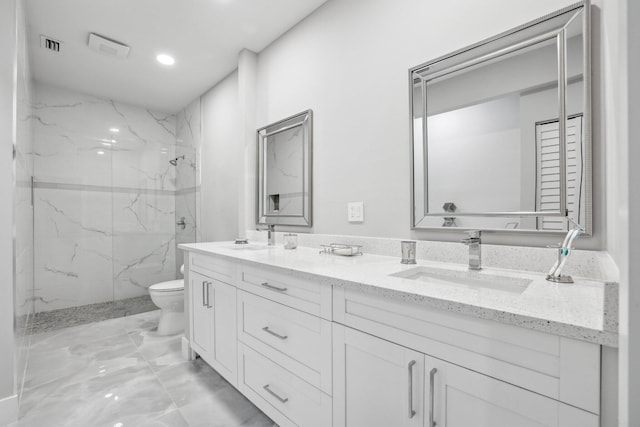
577, 310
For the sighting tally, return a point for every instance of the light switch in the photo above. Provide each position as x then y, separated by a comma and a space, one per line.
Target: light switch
355, 211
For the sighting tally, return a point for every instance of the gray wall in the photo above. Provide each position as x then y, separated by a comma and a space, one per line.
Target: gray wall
348, 62
221, 158
630, 331
8, 61
620, 104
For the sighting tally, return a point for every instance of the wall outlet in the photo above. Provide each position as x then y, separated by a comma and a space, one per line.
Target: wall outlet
355, 211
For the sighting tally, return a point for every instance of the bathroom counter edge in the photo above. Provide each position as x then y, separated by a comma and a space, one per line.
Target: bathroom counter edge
577, 311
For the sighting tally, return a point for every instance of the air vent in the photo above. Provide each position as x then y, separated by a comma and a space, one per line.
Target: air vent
49, 43
108, 46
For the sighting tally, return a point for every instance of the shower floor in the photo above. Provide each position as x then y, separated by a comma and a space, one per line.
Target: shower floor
48, 321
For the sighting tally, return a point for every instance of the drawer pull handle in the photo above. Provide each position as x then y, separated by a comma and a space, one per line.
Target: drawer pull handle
274, 394
204, 304
275, 288
410, 368
209, 294
432, 375
275, 334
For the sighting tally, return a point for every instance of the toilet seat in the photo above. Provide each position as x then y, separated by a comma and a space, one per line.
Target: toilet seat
169, 286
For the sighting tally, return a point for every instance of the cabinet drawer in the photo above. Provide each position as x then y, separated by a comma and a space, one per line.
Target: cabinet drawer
214, 267
284, 397
561, 368
301, 294
294, 339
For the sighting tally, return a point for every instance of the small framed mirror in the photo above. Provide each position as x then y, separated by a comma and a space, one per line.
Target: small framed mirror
284, 171
500, 130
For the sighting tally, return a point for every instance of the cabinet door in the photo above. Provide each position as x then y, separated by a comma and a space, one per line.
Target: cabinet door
464, 398
376, 382
201, 304
224, 337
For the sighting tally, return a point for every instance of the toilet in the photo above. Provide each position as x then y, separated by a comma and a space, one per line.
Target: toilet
169, 297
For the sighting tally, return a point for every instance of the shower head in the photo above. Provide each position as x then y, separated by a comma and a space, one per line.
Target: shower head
174, 162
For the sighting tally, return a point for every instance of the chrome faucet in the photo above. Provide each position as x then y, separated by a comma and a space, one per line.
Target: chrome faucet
475, 251
271, 233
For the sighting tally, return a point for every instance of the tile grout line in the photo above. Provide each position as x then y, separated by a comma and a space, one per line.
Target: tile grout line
155, 375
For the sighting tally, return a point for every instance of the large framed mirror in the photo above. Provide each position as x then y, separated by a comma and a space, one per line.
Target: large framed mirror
501, 130
284, 171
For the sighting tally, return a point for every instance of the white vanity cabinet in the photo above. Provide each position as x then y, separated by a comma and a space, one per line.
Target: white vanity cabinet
462, 398
310, 353
395, 358
380, 384
213, 317
201, 315
285, 359
377, 383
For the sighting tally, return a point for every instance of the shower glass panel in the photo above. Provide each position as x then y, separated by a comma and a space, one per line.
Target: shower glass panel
73, 215
144, 184
111, 182
186, 215
187, 200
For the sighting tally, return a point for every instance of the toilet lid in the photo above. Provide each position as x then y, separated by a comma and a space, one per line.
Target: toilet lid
171, 285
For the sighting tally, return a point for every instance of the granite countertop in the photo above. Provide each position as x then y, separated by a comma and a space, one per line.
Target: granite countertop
583, 310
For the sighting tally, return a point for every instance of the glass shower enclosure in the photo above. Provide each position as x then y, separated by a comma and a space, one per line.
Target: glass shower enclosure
114, 192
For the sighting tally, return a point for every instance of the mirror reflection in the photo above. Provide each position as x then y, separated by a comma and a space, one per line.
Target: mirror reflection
284, 171
487, 145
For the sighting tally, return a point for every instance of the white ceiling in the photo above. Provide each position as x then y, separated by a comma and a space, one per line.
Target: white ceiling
205, 37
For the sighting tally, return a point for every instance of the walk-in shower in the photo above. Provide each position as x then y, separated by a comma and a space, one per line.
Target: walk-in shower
105, 207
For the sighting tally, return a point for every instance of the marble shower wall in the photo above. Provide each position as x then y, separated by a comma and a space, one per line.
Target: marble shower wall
104, 199
188, 143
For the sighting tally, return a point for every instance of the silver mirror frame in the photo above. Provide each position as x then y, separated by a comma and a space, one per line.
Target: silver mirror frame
562, 83
303, 120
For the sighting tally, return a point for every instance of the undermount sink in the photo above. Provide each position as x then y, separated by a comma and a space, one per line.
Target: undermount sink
468, 279
248, 247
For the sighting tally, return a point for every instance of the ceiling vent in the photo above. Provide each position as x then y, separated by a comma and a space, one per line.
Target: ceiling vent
49, 43
108, 46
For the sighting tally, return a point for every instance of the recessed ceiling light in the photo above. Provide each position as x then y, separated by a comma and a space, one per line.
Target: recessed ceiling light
114, 130
100, 152
165, 59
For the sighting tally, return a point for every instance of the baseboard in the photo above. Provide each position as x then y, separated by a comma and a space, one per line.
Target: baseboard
8, 410
187, 352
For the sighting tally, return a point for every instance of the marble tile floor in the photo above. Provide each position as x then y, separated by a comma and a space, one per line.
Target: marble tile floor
120, 373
